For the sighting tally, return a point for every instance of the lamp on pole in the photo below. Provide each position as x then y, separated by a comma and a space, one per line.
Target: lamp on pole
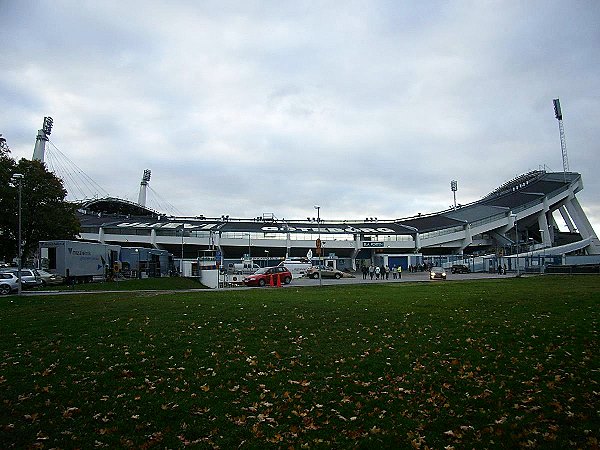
138, 273
17, 179
514, 216
182, 234
267, 260
319, 245
544, 252
249, 251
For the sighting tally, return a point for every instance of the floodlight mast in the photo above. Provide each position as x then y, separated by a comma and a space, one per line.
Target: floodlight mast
143, 186
42, 137
561, 129
454, 187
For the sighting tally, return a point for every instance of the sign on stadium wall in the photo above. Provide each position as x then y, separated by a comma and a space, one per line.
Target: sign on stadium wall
389, 228
372, 244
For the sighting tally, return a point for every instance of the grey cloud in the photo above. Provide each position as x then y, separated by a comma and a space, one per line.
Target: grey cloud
249, 107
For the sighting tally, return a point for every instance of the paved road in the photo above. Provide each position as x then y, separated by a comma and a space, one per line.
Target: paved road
406, 277
301, 281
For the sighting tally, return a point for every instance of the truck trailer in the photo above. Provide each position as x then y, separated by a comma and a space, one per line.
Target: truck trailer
78, 261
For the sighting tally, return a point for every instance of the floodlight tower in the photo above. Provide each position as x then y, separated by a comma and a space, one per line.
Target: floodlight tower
454, 187
41, 139
143, 186
561, 129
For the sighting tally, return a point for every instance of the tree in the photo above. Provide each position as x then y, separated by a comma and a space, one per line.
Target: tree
45, 214
8, 245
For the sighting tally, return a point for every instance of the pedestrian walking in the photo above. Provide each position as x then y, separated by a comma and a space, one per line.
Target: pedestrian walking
365, 271
377, 272
394, 272
371, 271
400, 272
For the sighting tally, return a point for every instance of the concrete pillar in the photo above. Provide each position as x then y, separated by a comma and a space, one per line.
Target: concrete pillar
581, 221
543, 225
567, 219
468, 239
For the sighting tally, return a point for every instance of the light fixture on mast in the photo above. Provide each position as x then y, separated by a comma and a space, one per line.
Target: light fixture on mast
143, 186
454, 187
42, 137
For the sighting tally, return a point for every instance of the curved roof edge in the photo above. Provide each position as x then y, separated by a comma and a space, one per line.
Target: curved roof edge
114, 205
514, 193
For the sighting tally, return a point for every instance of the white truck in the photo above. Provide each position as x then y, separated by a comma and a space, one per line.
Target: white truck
79, 261
297, 266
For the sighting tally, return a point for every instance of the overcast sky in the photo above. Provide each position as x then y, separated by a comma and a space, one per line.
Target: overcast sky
366, 108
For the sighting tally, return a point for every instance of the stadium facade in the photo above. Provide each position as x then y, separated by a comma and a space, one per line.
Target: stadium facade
517, 218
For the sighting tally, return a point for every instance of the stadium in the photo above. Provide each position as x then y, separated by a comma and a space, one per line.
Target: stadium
514, 226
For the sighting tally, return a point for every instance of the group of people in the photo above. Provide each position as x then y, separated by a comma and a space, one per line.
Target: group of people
419, 267
381, 272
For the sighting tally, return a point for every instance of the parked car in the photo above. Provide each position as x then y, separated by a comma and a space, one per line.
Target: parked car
29, 277
437, 273
327, 272
297, 266
8, 283
49, 279
460, 268
269, 275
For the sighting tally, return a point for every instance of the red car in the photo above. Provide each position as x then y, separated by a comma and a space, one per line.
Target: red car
269, 275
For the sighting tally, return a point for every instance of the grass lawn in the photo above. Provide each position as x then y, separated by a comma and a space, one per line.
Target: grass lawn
472, 364
164, 283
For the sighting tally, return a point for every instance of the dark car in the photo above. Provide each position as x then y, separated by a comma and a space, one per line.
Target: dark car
270, 276
437, 273
460, 268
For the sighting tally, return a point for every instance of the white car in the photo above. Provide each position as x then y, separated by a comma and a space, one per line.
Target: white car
8, 283
29, 277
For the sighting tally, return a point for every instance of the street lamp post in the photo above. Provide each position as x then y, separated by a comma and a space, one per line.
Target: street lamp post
138, 273
182, 234
514, 216
543, 253
318, 208
18, 179
249, 251
267, 260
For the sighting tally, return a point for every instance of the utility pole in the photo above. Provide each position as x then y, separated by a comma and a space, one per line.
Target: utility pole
319, 244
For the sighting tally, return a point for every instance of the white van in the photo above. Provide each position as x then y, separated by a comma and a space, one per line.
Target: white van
296, 266
245, 267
